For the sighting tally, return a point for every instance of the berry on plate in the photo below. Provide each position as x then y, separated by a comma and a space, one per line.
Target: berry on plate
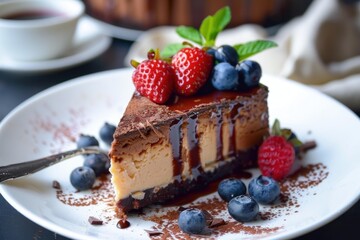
264, 190
276, 157
230, 188
154, 79
82, 178
98, 163
87, 141
243, 208
106, 133
192, 220
288, 134
192, 69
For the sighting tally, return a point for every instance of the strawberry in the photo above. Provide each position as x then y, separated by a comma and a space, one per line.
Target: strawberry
154, 79
192, 68
276, 157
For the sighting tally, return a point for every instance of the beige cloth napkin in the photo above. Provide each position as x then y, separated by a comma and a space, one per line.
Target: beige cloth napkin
320, 48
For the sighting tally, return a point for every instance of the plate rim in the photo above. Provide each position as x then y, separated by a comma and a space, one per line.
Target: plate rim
104, 74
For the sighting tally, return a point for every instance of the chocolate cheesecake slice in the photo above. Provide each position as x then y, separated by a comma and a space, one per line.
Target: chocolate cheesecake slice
162, 151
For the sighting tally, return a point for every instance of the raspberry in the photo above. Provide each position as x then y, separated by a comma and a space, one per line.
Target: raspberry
192, 68
276, 157
154, 79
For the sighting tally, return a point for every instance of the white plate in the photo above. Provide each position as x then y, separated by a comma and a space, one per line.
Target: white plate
49, 122
89, 42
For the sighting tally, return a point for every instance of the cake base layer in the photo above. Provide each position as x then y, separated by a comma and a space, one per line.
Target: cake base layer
239, 163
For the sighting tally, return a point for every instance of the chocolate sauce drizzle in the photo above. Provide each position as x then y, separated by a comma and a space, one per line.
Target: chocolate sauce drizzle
233, 115
176, 137
194, 149
219, 135
176, 140
182, 104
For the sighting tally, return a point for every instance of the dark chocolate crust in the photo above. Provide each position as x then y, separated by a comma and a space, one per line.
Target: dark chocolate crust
240, 162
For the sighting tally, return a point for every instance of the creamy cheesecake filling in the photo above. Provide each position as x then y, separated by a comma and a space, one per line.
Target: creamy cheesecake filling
191, 145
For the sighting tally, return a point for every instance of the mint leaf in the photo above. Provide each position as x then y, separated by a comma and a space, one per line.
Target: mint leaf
222, 18
170, 50
211, 26
190, 33
208, 32
251, 48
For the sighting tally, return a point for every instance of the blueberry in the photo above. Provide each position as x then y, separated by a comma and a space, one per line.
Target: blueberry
211, 51
227, 53
264, 190
106, 133
249, 73
98, 163
86, 141
192, 220
224, 77
243, 208
82, 178
230, 188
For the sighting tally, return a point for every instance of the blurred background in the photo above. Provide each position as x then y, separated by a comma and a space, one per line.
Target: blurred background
145, 14
318, 46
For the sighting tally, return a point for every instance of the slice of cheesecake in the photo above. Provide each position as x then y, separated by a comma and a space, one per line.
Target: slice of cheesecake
162, 151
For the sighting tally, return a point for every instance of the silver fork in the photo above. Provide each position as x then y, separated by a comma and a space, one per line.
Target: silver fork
22, 169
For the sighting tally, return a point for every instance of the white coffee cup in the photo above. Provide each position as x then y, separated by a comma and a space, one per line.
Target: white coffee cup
32, 30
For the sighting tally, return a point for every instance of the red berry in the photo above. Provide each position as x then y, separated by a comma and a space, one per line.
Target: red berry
192, 68
154, 79
276, 157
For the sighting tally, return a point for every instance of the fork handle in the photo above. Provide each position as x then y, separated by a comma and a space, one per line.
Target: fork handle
22, 169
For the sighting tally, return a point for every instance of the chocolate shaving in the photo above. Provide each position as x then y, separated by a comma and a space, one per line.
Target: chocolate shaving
180, 209
153, 232
307, 146
56, 184
208, 217
123, 223
141, 134
216, 222
95, 221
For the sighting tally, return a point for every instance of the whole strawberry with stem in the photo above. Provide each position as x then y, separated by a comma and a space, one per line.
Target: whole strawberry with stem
154, 78
192, 68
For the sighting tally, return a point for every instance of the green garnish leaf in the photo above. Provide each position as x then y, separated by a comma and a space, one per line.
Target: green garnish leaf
276, 128
222, 18
251, 48
211, 26
296, 142
190, 33
171, 49
286, 133
207, 31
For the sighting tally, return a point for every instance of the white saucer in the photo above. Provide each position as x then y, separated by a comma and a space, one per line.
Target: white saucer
89, 42
119, 32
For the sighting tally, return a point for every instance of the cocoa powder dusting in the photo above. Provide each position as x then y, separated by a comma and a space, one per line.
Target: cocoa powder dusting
61, 133
101, 192
165, 218
296, 185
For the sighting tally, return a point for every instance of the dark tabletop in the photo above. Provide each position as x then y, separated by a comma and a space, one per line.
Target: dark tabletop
15, 88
